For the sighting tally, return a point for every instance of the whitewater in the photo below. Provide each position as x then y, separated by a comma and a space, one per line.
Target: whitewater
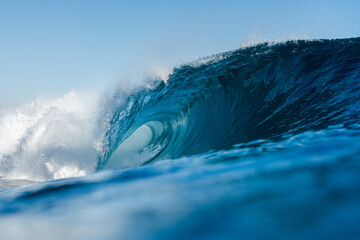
259, 142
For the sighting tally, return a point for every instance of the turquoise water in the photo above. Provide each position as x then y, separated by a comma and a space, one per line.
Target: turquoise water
261, 142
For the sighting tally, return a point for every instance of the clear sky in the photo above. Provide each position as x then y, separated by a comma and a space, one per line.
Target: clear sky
49, 47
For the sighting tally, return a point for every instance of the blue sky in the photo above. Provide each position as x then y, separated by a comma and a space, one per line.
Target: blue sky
50, 47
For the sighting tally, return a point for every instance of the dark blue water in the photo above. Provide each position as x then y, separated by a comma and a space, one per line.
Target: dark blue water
261, 142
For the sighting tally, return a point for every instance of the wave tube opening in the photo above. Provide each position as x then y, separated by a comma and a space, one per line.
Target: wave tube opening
139, 148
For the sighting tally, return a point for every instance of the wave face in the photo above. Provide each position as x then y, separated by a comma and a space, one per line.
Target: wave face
268, 91
258, 143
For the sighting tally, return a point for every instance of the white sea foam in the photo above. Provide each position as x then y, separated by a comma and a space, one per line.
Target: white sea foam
49, 138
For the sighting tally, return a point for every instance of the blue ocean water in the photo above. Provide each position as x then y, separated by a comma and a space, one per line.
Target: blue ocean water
260, 142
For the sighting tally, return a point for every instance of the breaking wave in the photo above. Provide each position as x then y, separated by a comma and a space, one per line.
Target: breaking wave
267, 91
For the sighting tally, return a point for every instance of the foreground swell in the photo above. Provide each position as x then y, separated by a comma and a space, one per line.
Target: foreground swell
302, 187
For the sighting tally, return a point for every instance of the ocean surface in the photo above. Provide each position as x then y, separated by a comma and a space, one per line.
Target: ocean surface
262, 142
